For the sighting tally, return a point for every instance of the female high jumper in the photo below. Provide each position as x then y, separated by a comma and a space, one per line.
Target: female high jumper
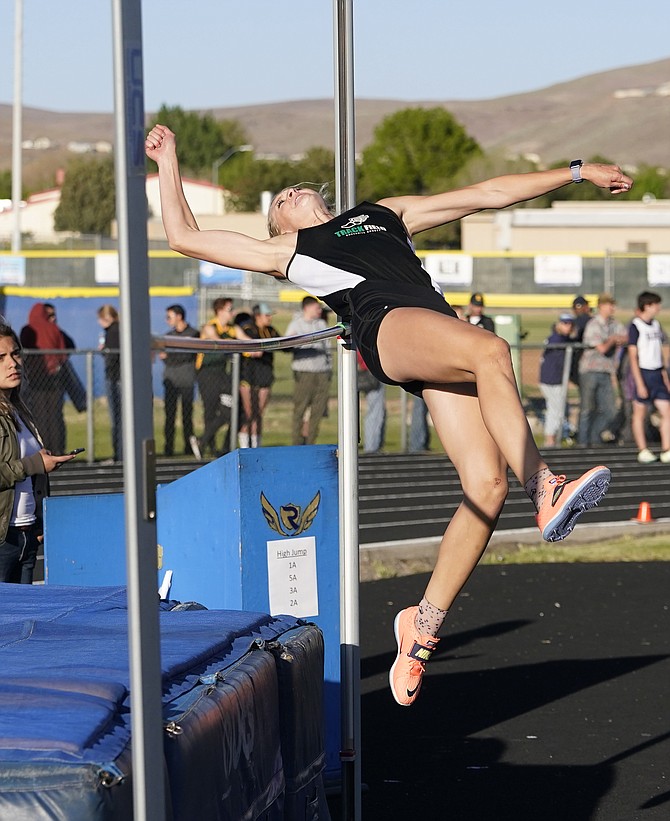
363, 266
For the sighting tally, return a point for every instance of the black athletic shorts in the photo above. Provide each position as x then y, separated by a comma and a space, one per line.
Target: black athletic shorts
257, 373
370, 301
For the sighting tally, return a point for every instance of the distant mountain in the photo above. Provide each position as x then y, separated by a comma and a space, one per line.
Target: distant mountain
623, 114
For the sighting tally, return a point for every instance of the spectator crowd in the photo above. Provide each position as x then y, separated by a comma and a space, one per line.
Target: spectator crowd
617, 371
620, 371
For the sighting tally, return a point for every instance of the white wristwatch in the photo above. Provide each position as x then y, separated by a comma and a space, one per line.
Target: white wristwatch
576, 170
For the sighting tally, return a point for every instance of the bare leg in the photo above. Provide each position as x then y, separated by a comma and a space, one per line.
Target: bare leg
415, 343
483, 473
245, 397
243, 436
262, 401
663, 407
637, 424
473, 400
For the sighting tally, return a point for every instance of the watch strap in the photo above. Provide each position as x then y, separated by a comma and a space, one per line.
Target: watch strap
576, 170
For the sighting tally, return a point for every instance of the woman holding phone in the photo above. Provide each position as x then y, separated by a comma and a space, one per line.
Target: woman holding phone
24, 465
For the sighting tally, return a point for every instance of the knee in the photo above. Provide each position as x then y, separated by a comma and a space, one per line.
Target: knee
488, 491
496, 352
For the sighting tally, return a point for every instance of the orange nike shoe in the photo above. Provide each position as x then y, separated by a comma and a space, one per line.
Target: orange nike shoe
414, 651
564, 502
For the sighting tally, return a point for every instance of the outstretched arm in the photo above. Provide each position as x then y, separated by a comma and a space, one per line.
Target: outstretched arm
222, 247
421, 213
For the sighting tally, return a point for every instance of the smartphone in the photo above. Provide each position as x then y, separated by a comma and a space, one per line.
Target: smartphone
76, 451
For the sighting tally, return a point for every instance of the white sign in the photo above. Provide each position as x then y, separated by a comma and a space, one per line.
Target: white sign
107, 268
449, 270
292, 577
558, 269
12, 270
658, 269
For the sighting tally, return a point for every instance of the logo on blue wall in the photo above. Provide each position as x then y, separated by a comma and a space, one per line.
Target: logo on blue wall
291, 520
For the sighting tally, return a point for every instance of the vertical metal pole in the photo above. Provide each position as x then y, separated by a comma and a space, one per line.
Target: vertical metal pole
607, 273
235, 407
403, 420
90, 409
17, 121
138, 445
348, 437
565, 384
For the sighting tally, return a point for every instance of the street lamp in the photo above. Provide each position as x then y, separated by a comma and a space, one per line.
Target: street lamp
236, 149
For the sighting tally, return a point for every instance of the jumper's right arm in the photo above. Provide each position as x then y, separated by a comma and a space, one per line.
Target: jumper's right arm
222, 247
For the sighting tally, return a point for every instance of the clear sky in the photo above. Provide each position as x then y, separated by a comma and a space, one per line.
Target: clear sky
216, 53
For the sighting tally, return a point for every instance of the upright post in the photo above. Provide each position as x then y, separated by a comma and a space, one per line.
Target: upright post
608, 280
17, 125
235, 407
403, 420
90, 409
565, 384
348, 436
138, 446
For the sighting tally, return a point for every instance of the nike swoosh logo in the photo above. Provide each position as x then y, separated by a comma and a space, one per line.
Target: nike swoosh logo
557, 493
410, 693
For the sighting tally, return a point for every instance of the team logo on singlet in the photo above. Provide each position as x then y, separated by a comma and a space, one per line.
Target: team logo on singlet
356, 225
352, 221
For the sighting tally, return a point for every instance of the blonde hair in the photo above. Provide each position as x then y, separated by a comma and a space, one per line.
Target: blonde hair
324, 190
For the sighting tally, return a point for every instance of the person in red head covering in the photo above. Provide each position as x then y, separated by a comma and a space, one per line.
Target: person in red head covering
44, 384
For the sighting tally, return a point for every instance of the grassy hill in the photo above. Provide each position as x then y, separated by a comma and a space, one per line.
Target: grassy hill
621, 114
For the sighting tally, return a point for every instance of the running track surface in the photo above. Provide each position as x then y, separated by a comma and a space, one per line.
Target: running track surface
412, 496
547, 699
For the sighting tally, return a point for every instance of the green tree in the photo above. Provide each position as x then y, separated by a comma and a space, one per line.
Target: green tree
317, 166
649, 181
479, 167
414, 151
247, 178
5, 185
201, 139
492, 164
88, 197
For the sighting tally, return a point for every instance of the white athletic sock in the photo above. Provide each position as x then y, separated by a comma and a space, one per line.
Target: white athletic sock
243, 440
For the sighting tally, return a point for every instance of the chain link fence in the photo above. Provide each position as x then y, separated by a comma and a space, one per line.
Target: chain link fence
72, 401
248, 399
75, 398
79, 405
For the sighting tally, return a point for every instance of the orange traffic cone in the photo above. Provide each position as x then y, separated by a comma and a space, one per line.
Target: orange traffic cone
644, 516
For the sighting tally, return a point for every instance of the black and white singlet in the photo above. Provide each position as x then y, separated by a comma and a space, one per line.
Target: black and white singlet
362, 264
